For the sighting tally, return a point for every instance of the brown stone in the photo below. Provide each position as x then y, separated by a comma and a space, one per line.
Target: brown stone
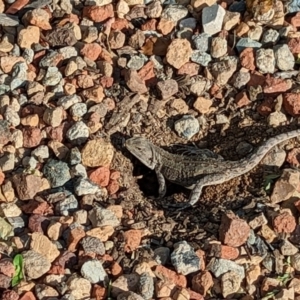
76, 235
242, 99
178, 53
7, 268
132, 240
113, 187
98, 13
16, 6
294, 45
7, 62
39, 18
28, 296
31, 137
165, 26
4, 281
256, 79
202, 105
116, 39
233, 231
134, 82
202, 282
28, 36
291, 103
284, 223
149, 25
266, 107
295, 20
168, 275
27, 185
146, 73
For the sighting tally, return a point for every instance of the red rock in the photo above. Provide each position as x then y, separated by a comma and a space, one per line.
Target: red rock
36, 207
16, 6
98, 13
91, 51
284, 222
216, 91
233, 231
7, 268
113, 187
228, 252
202, 282
276, 85
75, 236
106, 82
134, 82
99, 292
293, 157
247, 59
31, 137
291, 103
100, 176
294, 45
266, 107
168, 275
295, 20
149, 25
27, 185
194, 295
242, 99
28, 296
256, 79
146, 73
132, 240
189, 68
119, 24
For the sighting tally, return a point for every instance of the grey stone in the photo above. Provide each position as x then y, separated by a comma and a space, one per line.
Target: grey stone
238, 6
187, 126
67, 101
78, 133
240, 79
67, 206
19, 75
295, 261
49, 60
5, 135
12, 116
16, 222
79, 170
75, 156
7, 162
41, 152
291, 6
224, 69
190, 23
218, 47
84, 186
212, 19
146, 286
247, 43
78, 110
92, 244
287, 248
35, 264
68, 52
9, 20
270, 36
135, 62
93, 271
174, 12
28, 55
201, 58
184, 258
162, 255
265, 60
29, 162
52, 76
185, 33
57, 172
220, 266
103, 217
284, 58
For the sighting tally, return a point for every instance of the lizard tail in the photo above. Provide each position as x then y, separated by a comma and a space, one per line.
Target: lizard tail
248, 163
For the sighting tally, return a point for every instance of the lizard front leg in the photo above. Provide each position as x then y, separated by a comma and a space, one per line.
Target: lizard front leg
210, 179
162, 188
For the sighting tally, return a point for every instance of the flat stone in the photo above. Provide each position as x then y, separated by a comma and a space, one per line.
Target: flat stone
35, 264
93, 271
187, 126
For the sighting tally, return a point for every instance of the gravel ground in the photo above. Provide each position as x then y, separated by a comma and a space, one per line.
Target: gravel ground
79, 215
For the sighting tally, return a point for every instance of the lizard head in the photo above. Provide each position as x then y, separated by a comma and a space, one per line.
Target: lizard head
143, 150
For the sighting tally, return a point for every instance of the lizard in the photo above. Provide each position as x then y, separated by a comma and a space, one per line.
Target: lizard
196, 172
